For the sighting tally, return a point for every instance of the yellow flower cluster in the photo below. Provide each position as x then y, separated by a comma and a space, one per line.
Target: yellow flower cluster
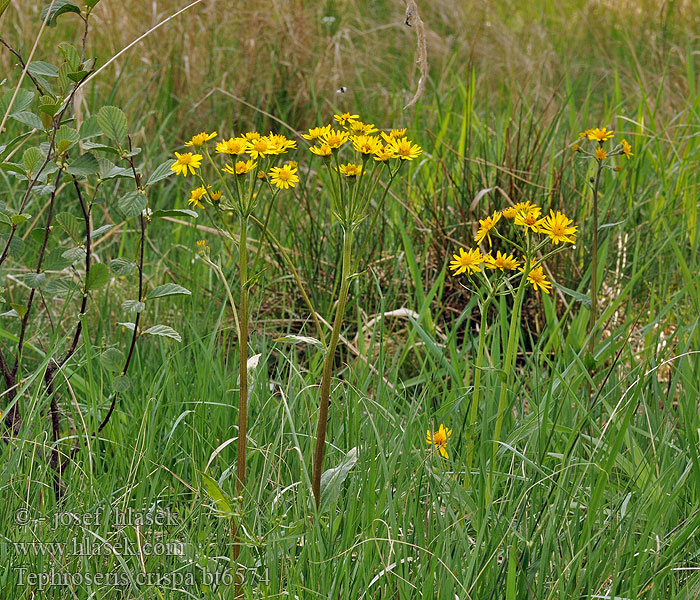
382, 148
528, 217
601, 136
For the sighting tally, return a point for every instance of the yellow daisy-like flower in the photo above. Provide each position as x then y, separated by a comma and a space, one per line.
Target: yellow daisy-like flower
324, 150
439, 439
539, 280
186, 161
383, 154
626, 149
251, 136
316, 132
196, 197
281, 143
237, 145
509, 212
366, 144
601, 154
558, 228
240, 168
502, 261
350, 170
584, 134
263, 146
404, 149
360, 128
283, 177
345, 118
528, 217
201, 243
599, 135
201, 138
215, 196
467, 261
335, 138
485, 227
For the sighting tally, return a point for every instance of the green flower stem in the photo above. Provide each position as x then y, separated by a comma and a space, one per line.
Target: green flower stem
290, 264
328, 366
594, 264
474, 408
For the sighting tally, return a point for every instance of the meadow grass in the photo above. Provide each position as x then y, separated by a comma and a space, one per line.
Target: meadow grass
595, 489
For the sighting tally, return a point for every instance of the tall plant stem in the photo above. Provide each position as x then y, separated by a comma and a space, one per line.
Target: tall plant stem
243, 353
328, 366
476, 394
594, 264
509, 360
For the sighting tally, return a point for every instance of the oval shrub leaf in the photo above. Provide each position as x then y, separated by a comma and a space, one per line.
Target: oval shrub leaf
97, 277
165, 331
169, 289
112, 121
132, 204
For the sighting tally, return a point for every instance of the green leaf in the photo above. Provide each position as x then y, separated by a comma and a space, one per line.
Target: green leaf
12, 167
91, 3
332, 479
20, 309
133, 306
49, 105
112, 360
59, 7
132, 203
98, 276
163, 330
223, 504
23, 100
74, 255
72, 226
20, 219
65, 138
71, 54
169, 289
112, 121
59, 287
34, 280
85, 164
100, 230
121, 266
162, 171
582, 298
77, 76
108, 170
121, 384
90, 128
32, 158
26, 117
42, 69
16, 245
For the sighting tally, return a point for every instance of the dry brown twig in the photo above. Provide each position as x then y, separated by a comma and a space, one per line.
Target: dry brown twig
413, 20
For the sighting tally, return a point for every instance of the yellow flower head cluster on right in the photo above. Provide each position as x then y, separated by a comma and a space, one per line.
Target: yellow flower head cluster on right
600, 136
438, 439
527, 220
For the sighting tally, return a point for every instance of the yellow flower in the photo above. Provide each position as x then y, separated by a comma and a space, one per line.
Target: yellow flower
557, 227
200, 139
280, 142
316, 132
599, 135
601, 154
237, 145
262, 147
360, 128
439, 439
539, 280
324, 150
486, 225
196, 197
509, 212
283, 177
404, 149
350, 170
366, 144
240, 168
215, 196
502, 261
383, 154
335, 138
528, 216
584, 134
186, 161
468, 261
345, 118
626, 149
575, 148
201, 243
251, 136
